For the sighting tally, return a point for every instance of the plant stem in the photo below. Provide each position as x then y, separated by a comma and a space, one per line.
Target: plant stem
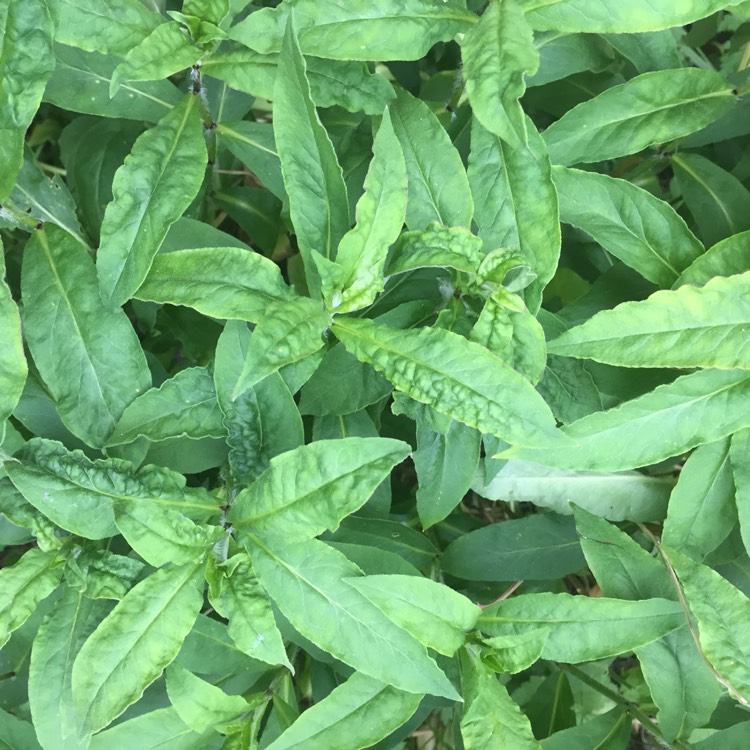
633, 709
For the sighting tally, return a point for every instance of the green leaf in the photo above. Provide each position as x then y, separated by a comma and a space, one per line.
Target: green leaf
498, 53
91, 360
445, 466
236, 594
133, 644
26, 63
650, 50
516, 202
77, 493
491, 719
16, 734
610, 731
455, 376
23, 586
289, 331
433, 613
306, 583
701, 510
628, 222
726, 258
438, 186
355, 715
357, 277
436, 246
222, 282
650, 109
110, 25
512, 333
165, 51
627, 496
582, 628
514, 653
81, 82
151, 191
723, 616
55, 647
673, 418
739, 457
718, 201
183, 405
313, 179
688, 327
200, 704
391, 30
540, 547
313, 487
13, 367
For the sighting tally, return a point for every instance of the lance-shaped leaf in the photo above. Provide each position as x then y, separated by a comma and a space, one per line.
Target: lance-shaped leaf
312, 488
389, 30
77, 493
288, 332
454, 376
688, 327
718, 201
26, 63
165, 51
357, 277
13, 367
649, 109
436, 246
628, 16
516, 203
626, 496
673, 418
155, 730
723, 615
498, 53
222, 282
491, 719
133, 644
90, 360
183, 405
583, 628
726, 258
629, 222
681, 684
23, 586
306, 583
345, 83
356, 714
702, 510
236, 594
111, 25
313, 179
438, 186
433, 613
200, 704
56, 645
739, 457
152, 189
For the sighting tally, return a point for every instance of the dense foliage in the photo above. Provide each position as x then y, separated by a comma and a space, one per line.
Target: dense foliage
374, 374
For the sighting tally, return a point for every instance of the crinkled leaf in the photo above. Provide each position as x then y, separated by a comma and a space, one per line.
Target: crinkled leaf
133, 644
90, 360
688, 327
433, 613
388, 30
455, 376
514, 653
498, 53
436, 246
152, 189
313, 487
306, 581
583, 628
647, 110
673, 418
629, 222
183, 405
438, 186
